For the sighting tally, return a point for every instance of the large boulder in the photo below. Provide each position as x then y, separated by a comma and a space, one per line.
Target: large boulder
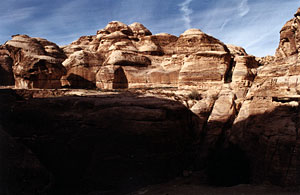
37, 63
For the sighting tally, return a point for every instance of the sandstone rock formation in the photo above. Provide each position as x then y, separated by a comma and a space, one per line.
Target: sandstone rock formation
243, 127
134, 58
6, 73
36, 62
266, 127
288, 48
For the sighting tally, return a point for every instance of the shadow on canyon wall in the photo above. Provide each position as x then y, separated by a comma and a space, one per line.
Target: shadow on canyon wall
78, 82
117, 142
6, 77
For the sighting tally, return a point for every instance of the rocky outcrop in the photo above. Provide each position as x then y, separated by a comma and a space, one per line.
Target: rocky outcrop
6, 73
123, 56
207, 60
139, 29
105, 142
143, 60
37, 63
266, 127
82, 68
288, 49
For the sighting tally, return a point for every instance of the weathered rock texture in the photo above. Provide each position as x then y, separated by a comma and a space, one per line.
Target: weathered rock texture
122, 56
37, 63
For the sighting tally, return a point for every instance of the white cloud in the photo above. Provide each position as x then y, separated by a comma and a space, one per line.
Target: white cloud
243, 8
186, 12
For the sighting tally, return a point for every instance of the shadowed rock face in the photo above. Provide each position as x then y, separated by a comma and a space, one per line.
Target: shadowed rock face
6, 72
105, 142
20, 170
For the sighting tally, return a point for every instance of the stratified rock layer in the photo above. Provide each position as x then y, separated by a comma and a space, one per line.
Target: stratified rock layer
134, 58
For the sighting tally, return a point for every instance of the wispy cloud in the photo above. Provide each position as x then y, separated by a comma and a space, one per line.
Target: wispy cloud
17, 15
243, 8
186, 12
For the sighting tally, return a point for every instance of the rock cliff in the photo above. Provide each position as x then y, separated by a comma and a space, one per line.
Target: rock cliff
157, 106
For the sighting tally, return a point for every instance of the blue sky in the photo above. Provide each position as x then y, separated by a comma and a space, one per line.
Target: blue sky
252, 24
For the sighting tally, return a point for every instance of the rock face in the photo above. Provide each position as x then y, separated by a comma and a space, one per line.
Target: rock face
108, 142
288, 49
21, 172
134, 58
122, 56
6, 73
37, 63
266, 127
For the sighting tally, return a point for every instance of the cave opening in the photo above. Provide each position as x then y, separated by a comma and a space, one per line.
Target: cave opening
120, 80
229, 167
